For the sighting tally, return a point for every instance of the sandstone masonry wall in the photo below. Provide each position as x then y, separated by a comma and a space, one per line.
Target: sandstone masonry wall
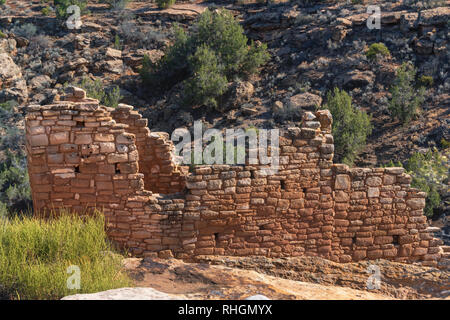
161, 175
83, 156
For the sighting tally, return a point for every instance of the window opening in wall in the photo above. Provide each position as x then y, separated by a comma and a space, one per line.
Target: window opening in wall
216, 236
80, 124
395, 240
77, 169
282, 184
116, 167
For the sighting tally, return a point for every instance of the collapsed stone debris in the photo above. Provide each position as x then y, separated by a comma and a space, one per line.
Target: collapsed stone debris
83, 156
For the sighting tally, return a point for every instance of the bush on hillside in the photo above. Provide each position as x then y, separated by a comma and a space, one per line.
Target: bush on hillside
210, 56
430, 173
405, 98
94, 89
207, 81
62, 5
15, 191
164, 4
36, 257
15, 195
425, 81
377, 49
46, 11
350, 126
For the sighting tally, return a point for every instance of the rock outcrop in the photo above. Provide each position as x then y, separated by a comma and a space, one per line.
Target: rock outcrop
12, 84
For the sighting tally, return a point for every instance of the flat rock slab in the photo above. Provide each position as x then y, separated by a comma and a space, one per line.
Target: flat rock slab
127, 294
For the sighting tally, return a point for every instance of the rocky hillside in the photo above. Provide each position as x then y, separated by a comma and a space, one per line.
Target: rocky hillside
313, 49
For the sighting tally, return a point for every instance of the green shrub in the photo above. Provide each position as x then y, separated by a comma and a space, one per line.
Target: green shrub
2, 35
35, 256
377, 49
350, 126
2, 2
207, 80
164, 4
405, 99
392, 163
217, 38
430, 173
15, 195
14, 185
426, 81
45, 11
444, 143
112, 98
94, 89
62, 5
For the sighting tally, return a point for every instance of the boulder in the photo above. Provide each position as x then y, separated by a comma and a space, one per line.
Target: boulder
126, 294
12, 84
91, 27
81, 43
111, 53
113, 66
305, 101
40, 82
240, 93
8, 45
355, 79
277, 107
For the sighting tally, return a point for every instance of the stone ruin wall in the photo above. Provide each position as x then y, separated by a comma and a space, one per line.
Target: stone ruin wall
83, 156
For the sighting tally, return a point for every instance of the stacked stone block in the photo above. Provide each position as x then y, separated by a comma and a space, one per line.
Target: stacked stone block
161, 174
78, 157
378, 215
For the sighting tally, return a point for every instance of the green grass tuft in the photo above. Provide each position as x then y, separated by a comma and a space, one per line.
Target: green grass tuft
35, 255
